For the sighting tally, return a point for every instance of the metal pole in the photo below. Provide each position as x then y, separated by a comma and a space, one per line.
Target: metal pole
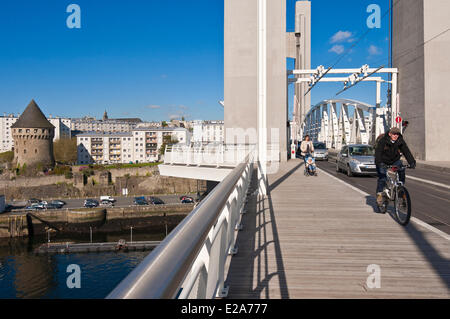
90, 232
394, 101
262, 100
131, 235
378, 100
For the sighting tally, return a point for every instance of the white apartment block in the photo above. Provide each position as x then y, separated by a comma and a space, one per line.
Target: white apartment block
92, 125
62, 127
138, 146
148, 125
62, 130
208, 132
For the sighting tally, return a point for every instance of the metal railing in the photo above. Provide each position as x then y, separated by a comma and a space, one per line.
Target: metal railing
214, 154
190, 262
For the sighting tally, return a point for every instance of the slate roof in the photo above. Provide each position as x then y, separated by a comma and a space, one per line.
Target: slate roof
32, 117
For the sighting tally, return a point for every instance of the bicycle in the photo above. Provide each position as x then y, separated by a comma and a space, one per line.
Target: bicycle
396, 192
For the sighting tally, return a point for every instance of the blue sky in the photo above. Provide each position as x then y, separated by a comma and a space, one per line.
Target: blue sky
154, 59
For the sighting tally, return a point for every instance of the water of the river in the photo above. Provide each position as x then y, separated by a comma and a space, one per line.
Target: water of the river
23, 274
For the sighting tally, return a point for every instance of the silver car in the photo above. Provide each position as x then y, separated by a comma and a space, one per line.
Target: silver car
356, 159
320, 151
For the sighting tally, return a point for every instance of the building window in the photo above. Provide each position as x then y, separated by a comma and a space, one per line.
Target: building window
35, 151
24, 151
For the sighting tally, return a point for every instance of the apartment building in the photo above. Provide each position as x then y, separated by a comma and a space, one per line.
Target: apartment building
111, 126
208, 131
138, 146
62, 130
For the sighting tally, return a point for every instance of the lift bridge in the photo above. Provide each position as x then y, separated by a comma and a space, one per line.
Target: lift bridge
343, 121
259, 236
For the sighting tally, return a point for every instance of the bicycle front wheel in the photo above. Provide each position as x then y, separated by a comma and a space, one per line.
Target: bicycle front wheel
402, 204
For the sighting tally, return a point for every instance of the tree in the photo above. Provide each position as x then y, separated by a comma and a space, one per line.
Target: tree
164, 124
65, 150
167, 140
6, 157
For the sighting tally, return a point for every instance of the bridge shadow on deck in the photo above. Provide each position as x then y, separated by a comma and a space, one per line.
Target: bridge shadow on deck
250, 275
258, 270
440, 264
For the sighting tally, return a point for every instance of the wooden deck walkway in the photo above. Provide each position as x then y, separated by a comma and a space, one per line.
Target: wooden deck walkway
314, 237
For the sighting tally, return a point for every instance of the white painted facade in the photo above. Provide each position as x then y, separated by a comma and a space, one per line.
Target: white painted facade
62, 130
62, 127
208, 132
138, 146
92, 125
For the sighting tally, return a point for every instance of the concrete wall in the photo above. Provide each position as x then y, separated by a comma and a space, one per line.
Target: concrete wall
240, 64
423, 89
241, 68
303, 25
437, 69
408, 58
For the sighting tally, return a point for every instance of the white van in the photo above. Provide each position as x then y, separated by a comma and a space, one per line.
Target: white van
107, 198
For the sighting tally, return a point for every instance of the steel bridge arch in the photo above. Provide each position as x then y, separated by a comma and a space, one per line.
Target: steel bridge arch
330, 122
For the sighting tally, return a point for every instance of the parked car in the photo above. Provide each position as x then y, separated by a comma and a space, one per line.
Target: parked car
90, 203
155, 200
107, 198
186, 199
356, 159
52, 206
140, 201
35, 206
58, 202
320, 151
106, 203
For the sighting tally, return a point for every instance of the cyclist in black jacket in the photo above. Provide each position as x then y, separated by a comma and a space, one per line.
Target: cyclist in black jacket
387, 152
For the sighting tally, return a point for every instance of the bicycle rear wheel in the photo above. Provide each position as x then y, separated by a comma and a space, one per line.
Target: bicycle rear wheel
402, 205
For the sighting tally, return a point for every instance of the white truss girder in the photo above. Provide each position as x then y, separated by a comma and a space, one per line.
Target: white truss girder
343, 121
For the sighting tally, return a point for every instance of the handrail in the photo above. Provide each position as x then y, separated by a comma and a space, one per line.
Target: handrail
214, 154
162, 272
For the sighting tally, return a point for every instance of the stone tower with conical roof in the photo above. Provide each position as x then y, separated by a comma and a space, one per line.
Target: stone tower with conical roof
33, 138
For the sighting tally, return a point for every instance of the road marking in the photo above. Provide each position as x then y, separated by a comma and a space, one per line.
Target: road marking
413, 219
429, 227
428, 182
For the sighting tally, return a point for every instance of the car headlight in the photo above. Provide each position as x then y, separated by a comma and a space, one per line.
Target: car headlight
355, 162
